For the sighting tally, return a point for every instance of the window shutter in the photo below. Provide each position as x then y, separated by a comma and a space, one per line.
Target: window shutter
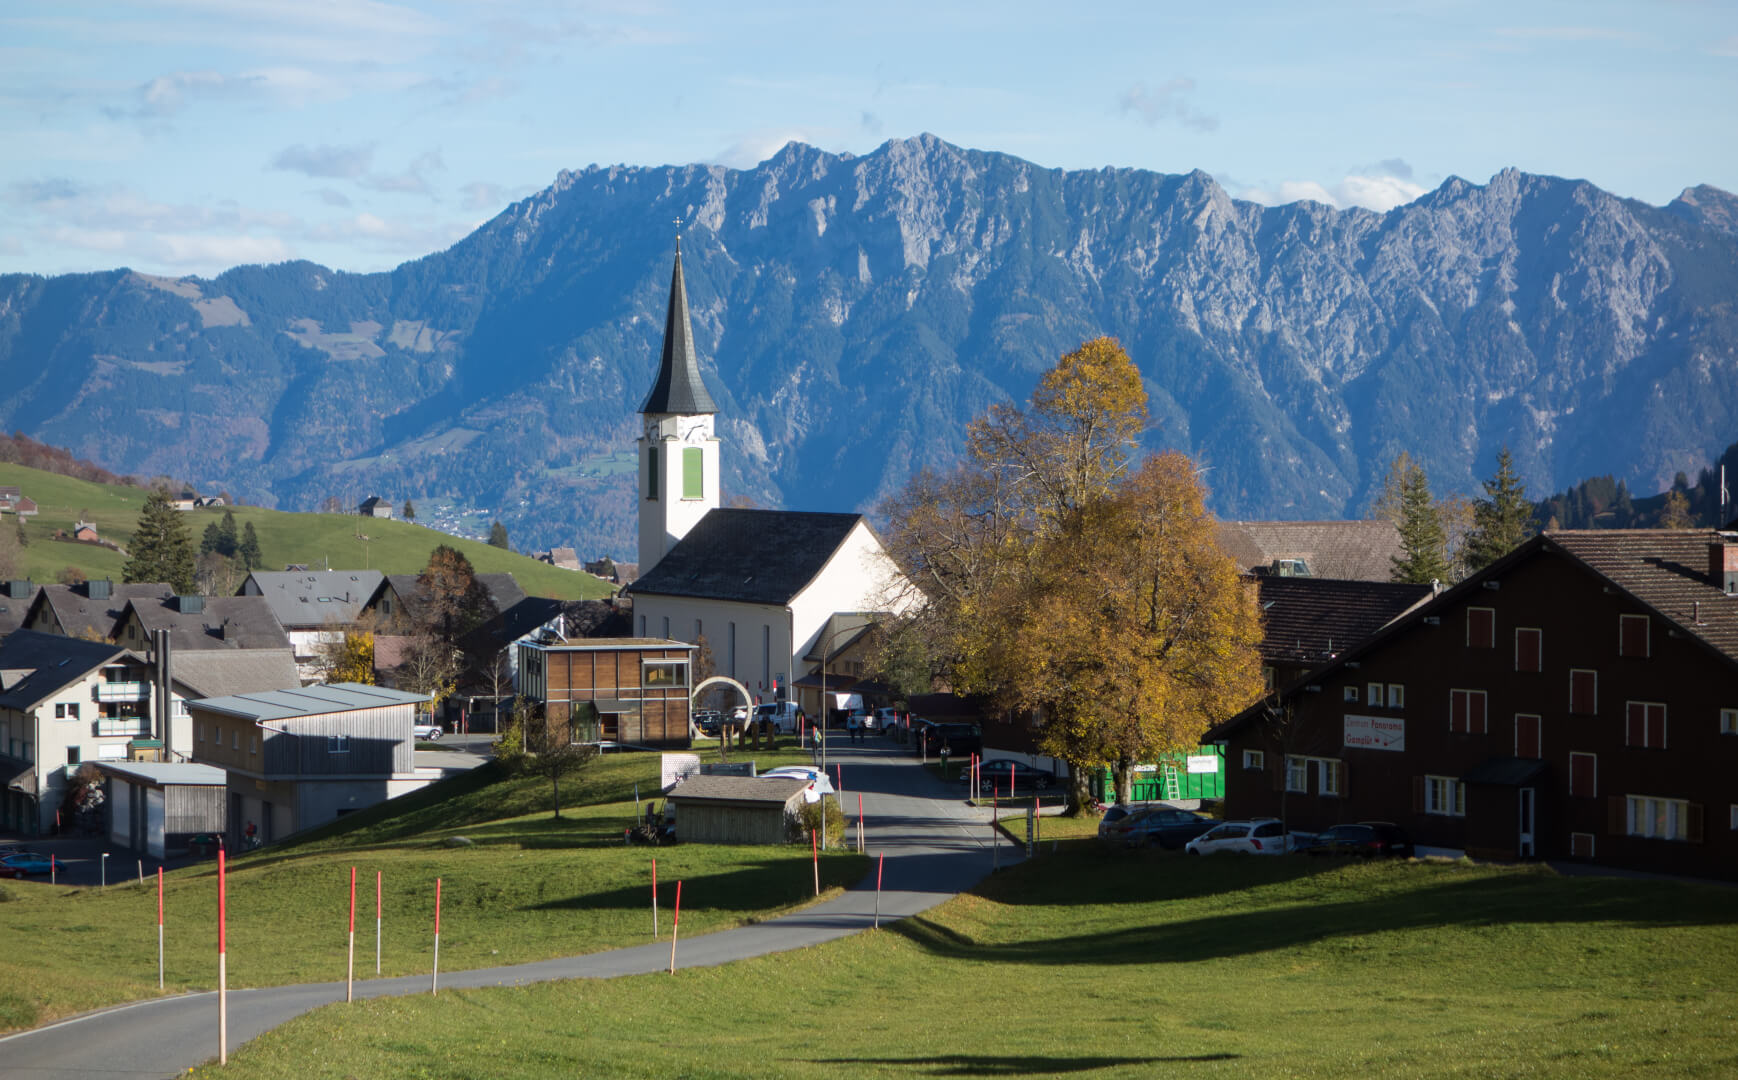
1345, 781
1616, 815
1276, 772
651, 472
1476, 713
693, 472
1457, 710
1693, 822
1418, 794
1635, 733
1527, 650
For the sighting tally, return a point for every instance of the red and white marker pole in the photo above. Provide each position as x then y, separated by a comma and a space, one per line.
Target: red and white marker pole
53, 867
995, 839
840, 769
859, 823
654, 899
377, 922
880, 866
222, 963
350, 970
1010, 781
434, 986
815, 857
159, 928
675, 926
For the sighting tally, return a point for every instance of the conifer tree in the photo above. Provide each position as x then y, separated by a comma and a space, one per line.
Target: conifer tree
248, 551
1502, 520
162, 548
227, 539
1423, 544
498, 535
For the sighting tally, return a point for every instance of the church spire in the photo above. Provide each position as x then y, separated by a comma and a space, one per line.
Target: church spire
679, 389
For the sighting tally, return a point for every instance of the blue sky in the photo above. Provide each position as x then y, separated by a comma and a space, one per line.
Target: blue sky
185, 136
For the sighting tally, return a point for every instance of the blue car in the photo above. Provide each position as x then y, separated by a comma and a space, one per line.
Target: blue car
21, 863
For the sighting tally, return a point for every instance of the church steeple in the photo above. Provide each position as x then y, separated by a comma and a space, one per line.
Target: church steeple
679, 390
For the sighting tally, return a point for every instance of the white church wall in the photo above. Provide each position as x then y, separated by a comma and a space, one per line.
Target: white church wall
751, 643
857, 578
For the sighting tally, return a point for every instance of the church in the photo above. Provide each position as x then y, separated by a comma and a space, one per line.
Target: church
761, 586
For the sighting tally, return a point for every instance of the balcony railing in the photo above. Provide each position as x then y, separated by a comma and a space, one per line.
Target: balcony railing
123, 725
122, 691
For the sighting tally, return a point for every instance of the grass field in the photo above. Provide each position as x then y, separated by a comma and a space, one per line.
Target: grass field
344, 541
528, 888
1110, 965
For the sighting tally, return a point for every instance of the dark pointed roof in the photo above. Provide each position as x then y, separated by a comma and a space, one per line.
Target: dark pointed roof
749, 556
679, 389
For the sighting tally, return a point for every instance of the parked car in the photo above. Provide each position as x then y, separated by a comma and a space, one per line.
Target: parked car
1263, 836
778, 717
431, 732
1368, 839
993, 777
1115, 813
1164, 826
708, 721
883, 719
819, 784
20, 863
959, 738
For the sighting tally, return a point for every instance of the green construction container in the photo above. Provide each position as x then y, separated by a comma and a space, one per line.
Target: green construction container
1198, 774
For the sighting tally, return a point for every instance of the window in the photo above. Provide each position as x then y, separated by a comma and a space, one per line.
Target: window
1735, 815
72, 755
1350, 693
1396, 695
199, 732
1527, 736
1645, 725
730, 648
1663, 819
1581, 845
666, 628
642, 626
72, 711
765, 655
1373, 695
59, 711
253, 744
1529, 648
235, 739
1729, 721
1444, 795
1330, 775
337, 744
652, 473
1466, 712
664, 673
1481, 627
1632, 636
1254, 759
693, 472
1583, 775
1583, 692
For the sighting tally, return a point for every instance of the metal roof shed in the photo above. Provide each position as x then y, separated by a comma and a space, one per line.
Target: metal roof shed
158, 807
736, 809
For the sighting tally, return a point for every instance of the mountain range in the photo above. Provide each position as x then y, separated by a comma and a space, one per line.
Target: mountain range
854, 314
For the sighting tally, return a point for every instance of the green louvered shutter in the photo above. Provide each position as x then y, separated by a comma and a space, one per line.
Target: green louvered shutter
651, 472
693, 473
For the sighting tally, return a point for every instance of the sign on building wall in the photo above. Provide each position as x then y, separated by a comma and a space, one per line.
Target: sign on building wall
1203, 763
1376, 732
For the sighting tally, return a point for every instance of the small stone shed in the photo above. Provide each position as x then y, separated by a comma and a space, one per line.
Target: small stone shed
735, 809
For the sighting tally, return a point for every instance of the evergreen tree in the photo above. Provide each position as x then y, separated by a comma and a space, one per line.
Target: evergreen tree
162, 546
409, 511
498, 535
1423, 544
248, 550
1502, 519
226, 534
211, 541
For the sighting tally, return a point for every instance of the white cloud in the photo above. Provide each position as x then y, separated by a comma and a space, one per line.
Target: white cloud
329, 162
411, 181
751, 149
1380, 188
480, 195
1167, 102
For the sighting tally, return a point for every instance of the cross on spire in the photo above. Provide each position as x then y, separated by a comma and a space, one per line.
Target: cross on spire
678, 223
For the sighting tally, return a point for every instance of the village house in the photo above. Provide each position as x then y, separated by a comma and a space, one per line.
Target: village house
315, 607
1343, 550
376, 507
627, 691
1577, 699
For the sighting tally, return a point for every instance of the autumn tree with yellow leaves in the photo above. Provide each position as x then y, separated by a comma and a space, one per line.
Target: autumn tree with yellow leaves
1069, 584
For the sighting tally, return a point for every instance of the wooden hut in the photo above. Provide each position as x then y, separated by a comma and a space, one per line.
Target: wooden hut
736, 809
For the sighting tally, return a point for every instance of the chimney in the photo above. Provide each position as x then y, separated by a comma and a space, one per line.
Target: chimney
1723, 565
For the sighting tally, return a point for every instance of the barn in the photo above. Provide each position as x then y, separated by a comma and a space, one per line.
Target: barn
735, 809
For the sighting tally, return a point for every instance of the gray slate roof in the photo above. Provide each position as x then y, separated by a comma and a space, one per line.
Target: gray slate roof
37, 665
311, 599
167, 774
13, 610
210, 673
774, 791
679, 387
749, 556
224, 622
1666, 569
80, 616
307, 701
1347, 550
1309, 619
503, 589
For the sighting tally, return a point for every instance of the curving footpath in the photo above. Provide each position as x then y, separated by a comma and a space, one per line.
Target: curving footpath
936, 846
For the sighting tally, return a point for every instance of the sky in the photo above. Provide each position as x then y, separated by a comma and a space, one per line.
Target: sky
187, 136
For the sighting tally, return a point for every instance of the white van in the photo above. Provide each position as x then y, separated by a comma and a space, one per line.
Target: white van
779, 716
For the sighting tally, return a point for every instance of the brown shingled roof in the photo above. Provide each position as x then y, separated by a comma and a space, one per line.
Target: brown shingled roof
1666, 569
1347, 550
1309, 619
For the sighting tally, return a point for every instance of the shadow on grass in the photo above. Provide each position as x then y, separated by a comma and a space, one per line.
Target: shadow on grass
1022, 1065
1537, 899
755, 886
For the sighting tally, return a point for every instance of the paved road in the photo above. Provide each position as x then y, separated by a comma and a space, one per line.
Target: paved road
935, 845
